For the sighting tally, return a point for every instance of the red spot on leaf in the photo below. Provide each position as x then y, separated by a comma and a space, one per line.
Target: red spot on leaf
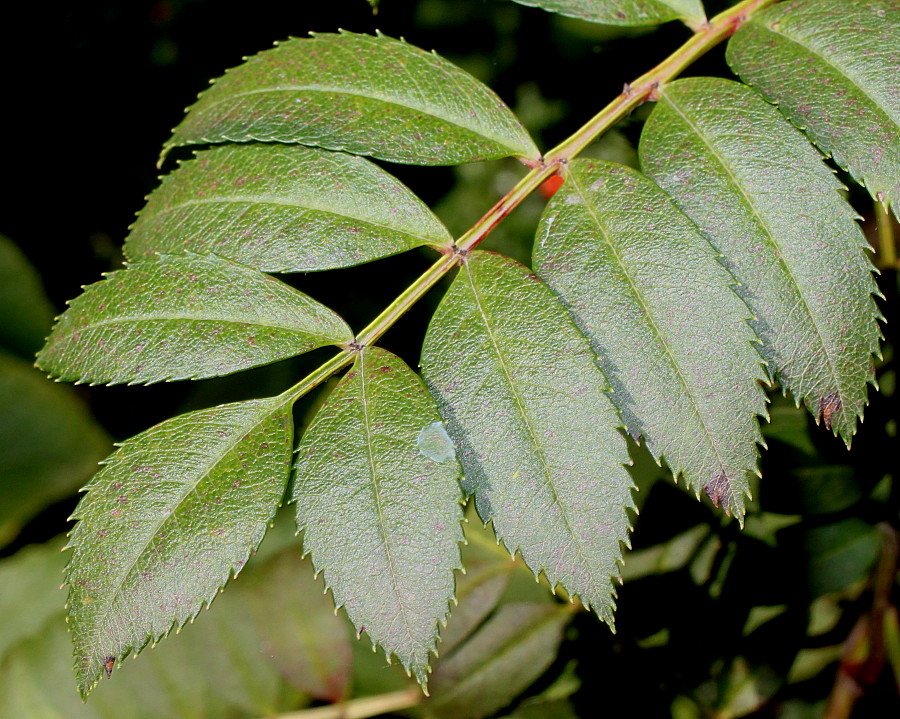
717, 489
828, 405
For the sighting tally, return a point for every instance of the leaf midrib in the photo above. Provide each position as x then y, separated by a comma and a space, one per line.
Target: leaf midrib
771, 238
285, 204
656, 331
520, 405
190, 488
377, 97
376, 493
130, 320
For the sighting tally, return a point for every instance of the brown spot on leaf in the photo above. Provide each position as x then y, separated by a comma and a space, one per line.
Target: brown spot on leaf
108, 663
717, 488
828, 405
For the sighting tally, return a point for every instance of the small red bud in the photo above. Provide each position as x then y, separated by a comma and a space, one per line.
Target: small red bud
551, 185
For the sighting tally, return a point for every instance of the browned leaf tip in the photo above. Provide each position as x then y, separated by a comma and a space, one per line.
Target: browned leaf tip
828, 405
717, 488
108, 663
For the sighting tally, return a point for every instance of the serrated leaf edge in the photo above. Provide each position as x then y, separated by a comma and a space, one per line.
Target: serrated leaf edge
85, 687
735, 505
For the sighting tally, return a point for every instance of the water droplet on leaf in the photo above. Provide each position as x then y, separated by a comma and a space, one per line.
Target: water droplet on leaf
434, 442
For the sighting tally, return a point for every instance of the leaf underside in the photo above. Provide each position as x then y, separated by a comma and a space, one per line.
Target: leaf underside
624, 12
526, 405
362, 94
671, 335
168, 518
184, 317
726, 157
377, 464
832, 67
282, 208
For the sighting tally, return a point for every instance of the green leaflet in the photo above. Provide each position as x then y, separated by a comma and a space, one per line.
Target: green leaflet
184, 317
361, 468
832, 67
283, 208
171, 515
49, 443
624, 12
512, 649
524, 401
726, 157
25, 312
362, 94
671, 335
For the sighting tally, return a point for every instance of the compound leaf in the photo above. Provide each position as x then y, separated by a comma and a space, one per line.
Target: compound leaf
526, 405
184, 317
282, 208
671, 335
832, 67
624, 12
171, 515
376, 462
366, 95
765, 199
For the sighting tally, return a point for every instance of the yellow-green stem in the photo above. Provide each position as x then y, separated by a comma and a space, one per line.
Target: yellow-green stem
363, 707
887, 247
644, 88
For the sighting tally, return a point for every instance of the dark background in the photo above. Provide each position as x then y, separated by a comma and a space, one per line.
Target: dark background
90, 93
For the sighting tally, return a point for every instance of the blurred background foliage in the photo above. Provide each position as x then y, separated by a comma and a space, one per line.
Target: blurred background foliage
794, 617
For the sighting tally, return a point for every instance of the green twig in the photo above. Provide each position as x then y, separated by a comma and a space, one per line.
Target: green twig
887, 247
645, 88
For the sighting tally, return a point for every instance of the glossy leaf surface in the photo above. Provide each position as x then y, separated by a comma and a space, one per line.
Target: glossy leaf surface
624, 12
171, 515
670, 334
832, 67
377, 463
362, 94
512, 649
184, 317
537, 436
283, 208
49, 443
726, 157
